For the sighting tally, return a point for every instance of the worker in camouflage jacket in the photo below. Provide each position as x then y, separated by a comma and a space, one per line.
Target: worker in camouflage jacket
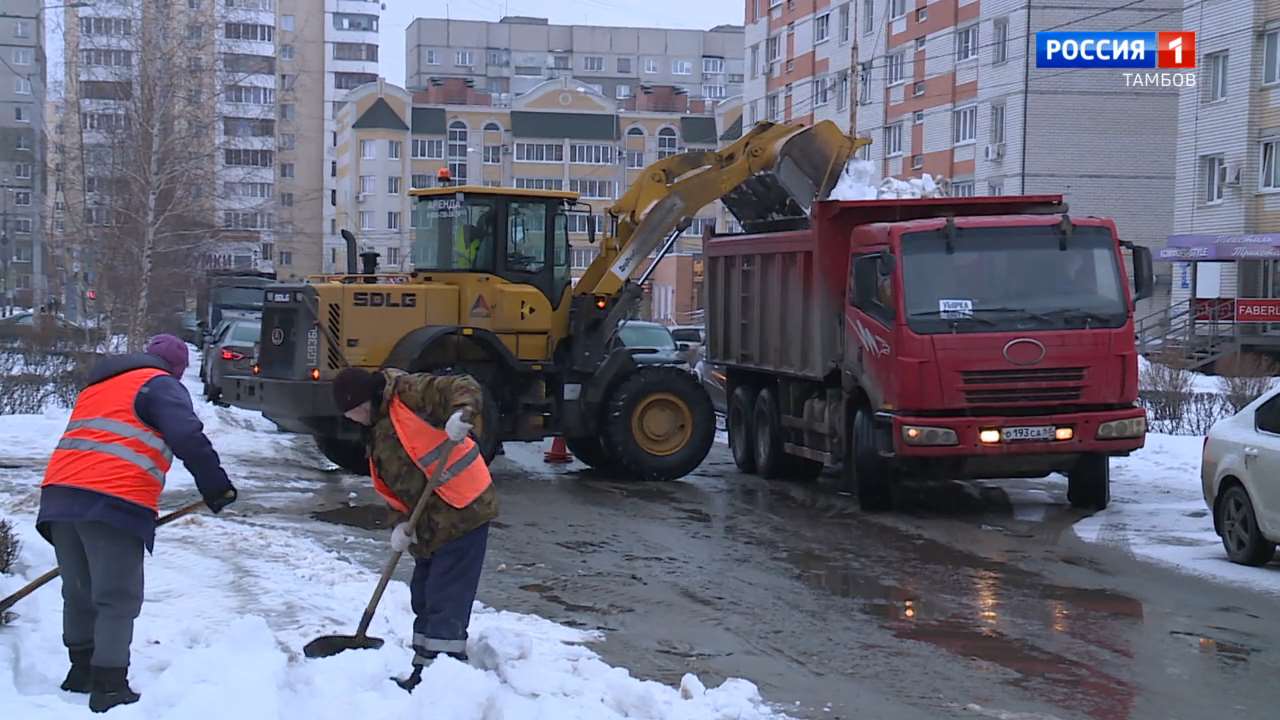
404, 415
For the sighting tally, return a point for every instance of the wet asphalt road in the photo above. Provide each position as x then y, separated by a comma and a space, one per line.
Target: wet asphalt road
970, 601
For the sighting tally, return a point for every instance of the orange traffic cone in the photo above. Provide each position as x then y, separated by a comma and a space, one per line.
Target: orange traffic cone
558, 453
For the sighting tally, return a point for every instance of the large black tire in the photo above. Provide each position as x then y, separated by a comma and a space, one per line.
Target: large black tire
1089, 484
1238, 525
871, 475
742, 439
346, 454
673, 415
771, 460
592, 452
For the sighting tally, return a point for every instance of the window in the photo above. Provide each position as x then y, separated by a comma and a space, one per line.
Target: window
286, 22
248, 158
464, 58
1266, 417
419, 181
681, 67
593, 63
102, 26
286, 170
868, 16
286, 257
539, 152
1215, 178
393, 256
368, 150
667, 142
771, 109
20, 113
964, 125
1000, 40
433, 57
527, 236
918, 89
428, 149
561, 62
962, 188
821, 91
492, 154
457, 151
635, 159
287, 111
351, 81
997, 123
23, 56
624, 65
1269, 178
363, 52
713, 65
393, 185
582, 256
897, 8
393, 149
115, 58
351, 21
893, 140
754, 70
918, 117
714, 92
592, 189
894, 69
21, 29
22, 86
842, 23
842, 89
249, 31
250, 95
922, 14
247, 127
622, 92
23, 225
864, 84
286, 52
651, 66
773, 48
967, 43
366, 219
367, 184
22, 171
524, 183
1217, 63
583, 154
871, 289
921, 42
22, 198
22, 142
393, 220
822, 28
288, 141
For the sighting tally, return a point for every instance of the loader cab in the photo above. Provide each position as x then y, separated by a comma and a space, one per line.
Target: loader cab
521, 236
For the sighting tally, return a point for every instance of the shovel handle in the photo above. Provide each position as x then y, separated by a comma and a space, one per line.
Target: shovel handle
440, 477
44, 579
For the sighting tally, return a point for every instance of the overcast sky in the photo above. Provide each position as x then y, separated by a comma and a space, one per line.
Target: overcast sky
691, 14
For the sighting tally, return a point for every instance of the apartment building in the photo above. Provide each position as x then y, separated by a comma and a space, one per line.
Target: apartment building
558, 136
949, 87
272, 72
516, 54
22, 150
1225, 244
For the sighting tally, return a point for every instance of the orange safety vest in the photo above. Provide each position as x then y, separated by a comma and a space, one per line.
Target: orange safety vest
106, 448
468, 476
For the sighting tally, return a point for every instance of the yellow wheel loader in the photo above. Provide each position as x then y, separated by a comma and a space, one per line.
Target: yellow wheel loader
491, 296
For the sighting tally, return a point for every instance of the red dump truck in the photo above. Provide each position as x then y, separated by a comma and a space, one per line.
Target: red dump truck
943, 337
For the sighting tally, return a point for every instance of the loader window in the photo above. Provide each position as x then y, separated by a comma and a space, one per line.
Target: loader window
457, 232
527, 237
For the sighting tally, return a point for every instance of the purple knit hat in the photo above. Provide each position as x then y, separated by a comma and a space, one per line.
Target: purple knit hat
171, 350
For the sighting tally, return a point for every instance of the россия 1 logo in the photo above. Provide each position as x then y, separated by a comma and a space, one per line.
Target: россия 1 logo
1159, 51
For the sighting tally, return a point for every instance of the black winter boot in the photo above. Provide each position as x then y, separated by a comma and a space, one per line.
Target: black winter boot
111, 688
80, 676
409, 683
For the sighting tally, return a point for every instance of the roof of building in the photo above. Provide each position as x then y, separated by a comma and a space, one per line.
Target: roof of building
698, 130
449, 190
428, 121
580, 126
380, 116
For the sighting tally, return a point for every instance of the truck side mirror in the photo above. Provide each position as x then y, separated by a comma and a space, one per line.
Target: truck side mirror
1144, 279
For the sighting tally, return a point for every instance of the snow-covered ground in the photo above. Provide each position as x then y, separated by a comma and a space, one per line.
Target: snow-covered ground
1158, 513
231, 600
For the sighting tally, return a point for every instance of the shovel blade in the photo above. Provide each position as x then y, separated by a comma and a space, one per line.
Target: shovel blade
330, 645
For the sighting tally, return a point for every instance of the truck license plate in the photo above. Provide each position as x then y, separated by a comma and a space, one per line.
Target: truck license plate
1038, 432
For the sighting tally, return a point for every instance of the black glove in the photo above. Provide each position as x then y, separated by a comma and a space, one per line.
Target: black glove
217, 502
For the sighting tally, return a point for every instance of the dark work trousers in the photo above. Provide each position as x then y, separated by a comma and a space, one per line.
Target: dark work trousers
101, 569
441, 591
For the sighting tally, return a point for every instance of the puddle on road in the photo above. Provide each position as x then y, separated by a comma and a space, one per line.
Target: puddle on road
365, 517
1228, 653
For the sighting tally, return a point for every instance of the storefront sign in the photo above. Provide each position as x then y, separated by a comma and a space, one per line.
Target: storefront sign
1242, 310
1192, 248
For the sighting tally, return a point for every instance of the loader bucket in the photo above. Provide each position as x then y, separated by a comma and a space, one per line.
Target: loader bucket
802, 168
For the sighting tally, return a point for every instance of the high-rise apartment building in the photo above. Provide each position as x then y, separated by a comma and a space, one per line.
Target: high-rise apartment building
22, 148
516, 54
948, 87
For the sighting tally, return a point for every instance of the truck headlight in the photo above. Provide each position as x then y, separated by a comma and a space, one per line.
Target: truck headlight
920, 435
1121, 429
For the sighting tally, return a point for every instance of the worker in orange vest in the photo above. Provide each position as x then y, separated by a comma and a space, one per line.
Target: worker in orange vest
404, 415
99, 501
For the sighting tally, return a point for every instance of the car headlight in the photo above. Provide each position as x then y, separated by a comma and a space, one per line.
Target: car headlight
1122, 429
921, 435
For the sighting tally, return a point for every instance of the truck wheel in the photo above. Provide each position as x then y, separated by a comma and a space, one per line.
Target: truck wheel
1089, 484
872, 476
591, 451
660, 424
348, 455
771, 460
742, 446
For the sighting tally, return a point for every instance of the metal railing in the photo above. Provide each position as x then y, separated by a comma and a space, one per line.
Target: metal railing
1192, 334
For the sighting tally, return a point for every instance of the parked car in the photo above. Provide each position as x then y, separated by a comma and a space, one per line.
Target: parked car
27, 324
229, 350
651, 337
693, 336
1240, 476
712, 379
192, 329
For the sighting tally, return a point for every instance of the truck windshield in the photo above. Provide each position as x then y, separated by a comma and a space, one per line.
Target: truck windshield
995, 279
456, 232
245, 297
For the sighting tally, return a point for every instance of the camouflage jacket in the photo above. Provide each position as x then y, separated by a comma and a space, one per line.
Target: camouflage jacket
434, 398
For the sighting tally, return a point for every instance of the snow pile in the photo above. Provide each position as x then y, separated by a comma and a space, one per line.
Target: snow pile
860, 181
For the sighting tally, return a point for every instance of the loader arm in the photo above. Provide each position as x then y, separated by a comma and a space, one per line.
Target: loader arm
772, 173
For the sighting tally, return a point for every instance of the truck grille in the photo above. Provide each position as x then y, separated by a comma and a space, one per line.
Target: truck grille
1035, 385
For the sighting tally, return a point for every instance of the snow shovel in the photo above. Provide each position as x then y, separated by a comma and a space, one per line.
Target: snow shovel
39, 582
329, 645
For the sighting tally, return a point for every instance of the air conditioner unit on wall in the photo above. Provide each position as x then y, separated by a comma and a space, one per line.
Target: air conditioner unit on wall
994, 151
360, 198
